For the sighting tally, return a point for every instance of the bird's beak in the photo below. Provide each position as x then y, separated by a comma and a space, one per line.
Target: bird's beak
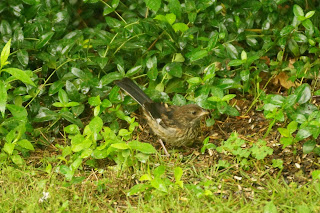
204, 112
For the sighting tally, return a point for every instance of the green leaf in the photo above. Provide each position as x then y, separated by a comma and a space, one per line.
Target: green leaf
290, 101
277, 163
310, 14
115, 3
153, 73
180, 27
5, 54
231, 111
292, 127
293, 47
110, 77
170, 17
303, 133
59, 104
48, 168
178, 173
300, 38
179, 100
145, 177
5, 28
72, 104
20, 75
317, 92
8, 148
260, 150
210, 122
286, 30
107, 11
94, 101
70, 117
77, 110
133, 71
236, 62
23, 57
178, 57
192, 17
162, 18
286, 141
18, 112
153, 4
66, 171
31, 2
106, 103
159, 184
121, 69
316, 174
100, 154
303, 93
228, 97
45, 114
138, 188
270, 208
86, 153
174, 69
194, 56
245, 75
297, 10
72, 129
209, 72
79, 143
24, 143
63, 96
159, 171
175, 7
194, 80
151, 62
252, 42
3, 97
222, 107
121, 146
75, 165
284, 132
55, 87
72, 91
16, 159
114, 95
308, 25
142, 157
214, 99
244, 55
309, 146
44, 39
96, 124
212, 42
124, 132
142, 147
231, 50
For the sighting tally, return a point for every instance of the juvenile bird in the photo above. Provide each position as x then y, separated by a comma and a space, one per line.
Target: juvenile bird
176, 125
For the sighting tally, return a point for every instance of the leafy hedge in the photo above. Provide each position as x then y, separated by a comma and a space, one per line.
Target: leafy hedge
65, 55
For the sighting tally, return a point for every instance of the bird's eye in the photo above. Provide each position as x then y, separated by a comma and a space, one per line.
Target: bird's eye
194, 112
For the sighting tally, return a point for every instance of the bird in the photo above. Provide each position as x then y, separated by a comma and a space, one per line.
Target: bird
178, 126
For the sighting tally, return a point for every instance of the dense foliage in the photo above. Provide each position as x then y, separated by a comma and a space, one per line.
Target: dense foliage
60, 58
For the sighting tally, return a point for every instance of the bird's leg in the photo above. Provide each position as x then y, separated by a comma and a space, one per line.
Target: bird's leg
164, 148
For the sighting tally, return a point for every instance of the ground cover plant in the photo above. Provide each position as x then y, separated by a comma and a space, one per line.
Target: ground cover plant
71, 141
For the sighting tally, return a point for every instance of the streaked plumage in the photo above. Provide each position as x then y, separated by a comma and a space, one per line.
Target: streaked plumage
176, 125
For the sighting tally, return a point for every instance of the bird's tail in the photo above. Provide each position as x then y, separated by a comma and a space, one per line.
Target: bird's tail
134, 91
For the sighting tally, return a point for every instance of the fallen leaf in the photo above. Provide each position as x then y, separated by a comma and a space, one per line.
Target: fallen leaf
283, 79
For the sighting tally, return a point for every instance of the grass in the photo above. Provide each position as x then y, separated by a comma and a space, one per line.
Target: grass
206, 189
